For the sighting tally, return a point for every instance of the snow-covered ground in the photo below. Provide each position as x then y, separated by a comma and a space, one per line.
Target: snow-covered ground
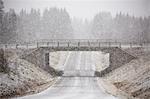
23, 77
75, 87
133, 77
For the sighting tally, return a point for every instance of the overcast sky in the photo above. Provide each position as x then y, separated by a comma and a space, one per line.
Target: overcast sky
85, 8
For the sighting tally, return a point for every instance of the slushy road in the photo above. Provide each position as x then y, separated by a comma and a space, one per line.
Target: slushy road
78, 81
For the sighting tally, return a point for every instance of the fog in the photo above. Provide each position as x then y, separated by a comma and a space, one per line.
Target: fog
84, 8
31, 20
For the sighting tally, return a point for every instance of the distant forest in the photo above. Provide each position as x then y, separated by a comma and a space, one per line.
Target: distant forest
56, 23
122, 27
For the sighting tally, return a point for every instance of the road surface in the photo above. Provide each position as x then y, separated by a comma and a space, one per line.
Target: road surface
78, 82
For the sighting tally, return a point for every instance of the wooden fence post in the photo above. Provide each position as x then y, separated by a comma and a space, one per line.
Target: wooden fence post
27, 46
119, 45
99, 44
17, 46
68, 44
47, 44
37, 45
89, 44
78, 44
6, 46
130, 45
109, 44
57, 44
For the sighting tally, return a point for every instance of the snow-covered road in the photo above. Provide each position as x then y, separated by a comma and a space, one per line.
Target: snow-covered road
79, 85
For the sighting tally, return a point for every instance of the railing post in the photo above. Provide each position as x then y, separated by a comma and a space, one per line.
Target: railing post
37, 45
16, 46
120, 45
99, 44
109, 44
47, 44
130, 45
68, 44
27, 46
141, 44
89, 44
57, 44
5, 46
78, 44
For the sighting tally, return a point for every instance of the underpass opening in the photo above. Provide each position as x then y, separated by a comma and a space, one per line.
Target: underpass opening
78, 63
51, 59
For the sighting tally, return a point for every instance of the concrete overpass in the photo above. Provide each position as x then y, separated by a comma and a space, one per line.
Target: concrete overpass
38, 51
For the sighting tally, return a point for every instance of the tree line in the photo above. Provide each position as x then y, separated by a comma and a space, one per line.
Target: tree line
56, 23
122, 27
29, 26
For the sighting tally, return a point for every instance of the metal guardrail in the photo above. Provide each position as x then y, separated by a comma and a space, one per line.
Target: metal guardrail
73, 43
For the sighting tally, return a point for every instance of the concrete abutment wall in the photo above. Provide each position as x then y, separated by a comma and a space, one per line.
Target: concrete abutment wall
40, 57
118, 58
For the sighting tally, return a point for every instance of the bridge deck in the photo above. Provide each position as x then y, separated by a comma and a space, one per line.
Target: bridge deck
73, 43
